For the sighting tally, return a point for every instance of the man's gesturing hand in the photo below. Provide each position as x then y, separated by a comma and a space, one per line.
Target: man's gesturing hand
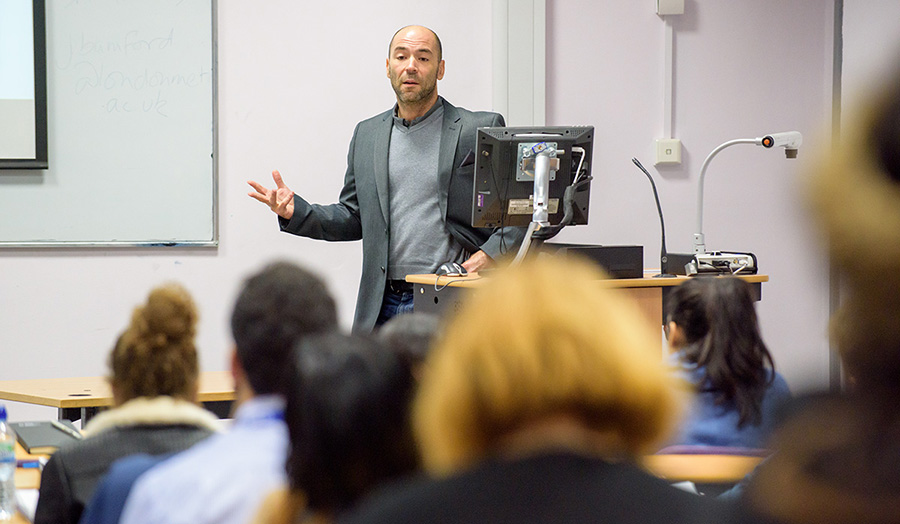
280, 200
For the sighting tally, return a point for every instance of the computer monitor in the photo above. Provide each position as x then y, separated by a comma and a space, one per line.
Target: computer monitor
504, 175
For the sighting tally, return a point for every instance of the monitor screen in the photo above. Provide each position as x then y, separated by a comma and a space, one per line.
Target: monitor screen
503, 192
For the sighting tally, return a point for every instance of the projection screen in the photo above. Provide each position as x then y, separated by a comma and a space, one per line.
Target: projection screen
23, 85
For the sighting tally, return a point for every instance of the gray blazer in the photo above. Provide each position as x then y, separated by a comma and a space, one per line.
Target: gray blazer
362, 211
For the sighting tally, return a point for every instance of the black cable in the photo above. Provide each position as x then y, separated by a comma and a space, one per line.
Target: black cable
547, 233
503, 210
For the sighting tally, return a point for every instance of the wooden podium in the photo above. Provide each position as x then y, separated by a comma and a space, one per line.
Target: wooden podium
434, 294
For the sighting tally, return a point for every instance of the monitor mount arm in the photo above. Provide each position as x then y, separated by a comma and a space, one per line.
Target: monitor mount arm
543, 155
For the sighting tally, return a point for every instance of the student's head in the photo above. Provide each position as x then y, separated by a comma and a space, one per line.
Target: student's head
700, 305
686, 307
542, 342
156, 354
712, 321
275, 307
348, 417
856, 197
410, 336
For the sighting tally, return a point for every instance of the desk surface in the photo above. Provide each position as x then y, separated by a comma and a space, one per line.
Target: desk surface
87, 392
26, 479
711, 469
83, 392
474, 280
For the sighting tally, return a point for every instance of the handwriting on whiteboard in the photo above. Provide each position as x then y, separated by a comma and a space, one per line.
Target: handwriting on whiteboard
129, 71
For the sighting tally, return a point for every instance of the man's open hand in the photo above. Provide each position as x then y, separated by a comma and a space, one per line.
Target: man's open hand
280, 200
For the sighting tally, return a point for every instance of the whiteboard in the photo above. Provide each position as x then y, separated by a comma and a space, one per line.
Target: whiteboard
131, 129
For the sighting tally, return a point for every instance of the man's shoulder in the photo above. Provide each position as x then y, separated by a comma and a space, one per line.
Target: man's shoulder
223, 450
181, 467
225, 459
449, 110
376, 119
481, 117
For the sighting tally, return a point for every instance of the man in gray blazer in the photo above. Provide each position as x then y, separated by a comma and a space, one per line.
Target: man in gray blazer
408, 187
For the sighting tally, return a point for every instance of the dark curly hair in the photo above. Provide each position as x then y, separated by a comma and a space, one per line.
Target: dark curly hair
276, 307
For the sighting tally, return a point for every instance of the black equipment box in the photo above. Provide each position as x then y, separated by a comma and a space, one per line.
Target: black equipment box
618, 261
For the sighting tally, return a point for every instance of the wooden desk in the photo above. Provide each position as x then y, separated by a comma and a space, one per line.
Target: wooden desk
80, 398
701, 469
26, 478
435, 294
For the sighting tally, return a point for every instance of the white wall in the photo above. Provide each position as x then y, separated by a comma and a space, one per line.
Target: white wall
741, 70
871, 46
296, 76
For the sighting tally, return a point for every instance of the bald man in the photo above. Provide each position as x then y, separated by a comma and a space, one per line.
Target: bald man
407, 189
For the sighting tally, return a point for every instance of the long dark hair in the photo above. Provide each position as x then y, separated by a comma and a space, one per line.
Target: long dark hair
348, 418
721, 333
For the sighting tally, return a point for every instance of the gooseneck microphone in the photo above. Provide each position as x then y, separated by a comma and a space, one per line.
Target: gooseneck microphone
663, 254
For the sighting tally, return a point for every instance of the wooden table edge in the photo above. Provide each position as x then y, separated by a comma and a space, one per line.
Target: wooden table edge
475, 280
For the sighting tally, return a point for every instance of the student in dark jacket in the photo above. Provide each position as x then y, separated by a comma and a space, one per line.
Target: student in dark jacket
154, 373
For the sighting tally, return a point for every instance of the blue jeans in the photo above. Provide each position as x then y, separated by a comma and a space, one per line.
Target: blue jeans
394, 304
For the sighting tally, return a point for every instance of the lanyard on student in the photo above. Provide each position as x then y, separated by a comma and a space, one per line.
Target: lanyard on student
261, 418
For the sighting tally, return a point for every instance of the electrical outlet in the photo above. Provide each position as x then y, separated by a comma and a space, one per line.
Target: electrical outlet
668, 151
669, 7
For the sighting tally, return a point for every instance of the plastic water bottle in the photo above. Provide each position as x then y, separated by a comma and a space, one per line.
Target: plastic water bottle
7, 468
